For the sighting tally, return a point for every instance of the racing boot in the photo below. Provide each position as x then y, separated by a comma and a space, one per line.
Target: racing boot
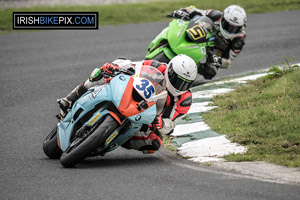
155, 144
66, 103
146, 142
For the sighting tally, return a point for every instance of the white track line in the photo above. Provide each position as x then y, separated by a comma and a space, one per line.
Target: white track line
210, 149
184, 129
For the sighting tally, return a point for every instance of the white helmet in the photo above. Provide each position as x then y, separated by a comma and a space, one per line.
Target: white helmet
233, 19
180, 74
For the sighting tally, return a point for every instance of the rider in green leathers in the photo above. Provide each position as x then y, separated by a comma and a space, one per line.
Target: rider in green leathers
230, 35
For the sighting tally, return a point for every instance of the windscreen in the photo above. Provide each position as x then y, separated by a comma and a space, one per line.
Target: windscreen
155, 77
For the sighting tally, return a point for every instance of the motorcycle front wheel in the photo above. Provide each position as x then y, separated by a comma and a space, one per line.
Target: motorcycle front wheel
82, 149
50, 146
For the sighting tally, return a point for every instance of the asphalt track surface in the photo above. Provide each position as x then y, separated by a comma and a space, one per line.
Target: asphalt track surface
39, 67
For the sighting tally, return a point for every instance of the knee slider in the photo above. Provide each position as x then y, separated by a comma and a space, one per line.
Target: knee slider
156, 144
156, 140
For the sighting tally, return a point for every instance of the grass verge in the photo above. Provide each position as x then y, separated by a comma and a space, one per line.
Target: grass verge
168, 143
150, 11
264, 116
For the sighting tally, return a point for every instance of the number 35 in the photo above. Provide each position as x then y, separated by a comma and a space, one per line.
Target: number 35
147, 90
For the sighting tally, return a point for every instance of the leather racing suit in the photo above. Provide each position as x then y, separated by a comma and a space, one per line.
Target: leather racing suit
226, 49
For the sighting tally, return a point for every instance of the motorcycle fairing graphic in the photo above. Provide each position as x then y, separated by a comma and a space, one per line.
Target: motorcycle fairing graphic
174, 40
118, 99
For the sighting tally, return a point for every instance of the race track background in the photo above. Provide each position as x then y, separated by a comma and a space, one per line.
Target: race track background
36, 68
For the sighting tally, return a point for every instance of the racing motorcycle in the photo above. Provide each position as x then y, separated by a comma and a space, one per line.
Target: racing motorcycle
192, 38
106, 116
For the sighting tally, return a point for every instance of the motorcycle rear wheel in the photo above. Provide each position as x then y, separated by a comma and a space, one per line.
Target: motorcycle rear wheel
50, 146
75, 154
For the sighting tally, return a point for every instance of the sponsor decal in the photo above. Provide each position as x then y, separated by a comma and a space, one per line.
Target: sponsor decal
186, 102
122, 78
138, 117
180, 22
203, 50
111, 137
94, 119
95, 93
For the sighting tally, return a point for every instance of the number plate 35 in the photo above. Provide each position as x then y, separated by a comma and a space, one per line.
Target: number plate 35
144, 87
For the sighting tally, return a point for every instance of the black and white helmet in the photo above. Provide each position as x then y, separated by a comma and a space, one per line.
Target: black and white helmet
180, 74
233, 19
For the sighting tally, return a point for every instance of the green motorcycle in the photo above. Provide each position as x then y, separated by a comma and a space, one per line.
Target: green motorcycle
192, 38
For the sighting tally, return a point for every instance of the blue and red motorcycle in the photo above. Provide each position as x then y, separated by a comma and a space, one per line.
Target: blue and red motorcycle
106, 116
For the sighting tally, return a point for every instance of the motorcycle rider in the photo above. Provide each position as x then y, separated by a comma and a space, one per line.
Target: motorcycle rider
180, 74
230, 37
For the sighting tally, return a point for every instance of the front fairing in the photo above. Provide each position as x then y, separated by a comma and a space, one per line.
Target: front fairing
178, 43
118, 86
157, 40
157, 46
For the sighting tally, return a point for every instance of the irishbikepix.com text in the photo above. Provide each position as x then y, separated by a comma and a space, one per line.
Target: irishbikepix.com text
57, 20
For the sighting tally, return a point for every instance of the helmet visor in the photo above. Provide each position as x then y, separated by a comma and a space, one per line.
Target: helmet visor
230, 28
178, 82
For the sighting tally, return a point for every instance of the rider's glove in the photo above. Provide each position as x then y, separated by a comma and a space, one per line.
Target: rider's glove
179, 14
110, 69
157, 123
216, 61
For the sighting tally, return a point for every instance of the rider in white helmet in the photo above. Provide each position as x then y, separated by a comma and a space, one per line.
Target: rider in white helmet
232, 21
180, 74
230, 38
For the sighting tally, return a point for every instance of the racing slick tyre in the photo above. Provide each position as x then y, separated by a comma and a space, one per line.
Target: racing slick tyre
50, 146
82, 149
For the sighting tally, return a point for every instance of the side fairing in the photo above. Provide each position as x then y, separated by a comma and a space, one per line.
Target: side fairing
110, 92
118, 86
145, 117
83, 105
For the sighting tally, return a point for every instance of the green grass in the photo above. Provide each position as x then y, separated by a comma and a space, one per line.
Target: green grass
264, 115
169, 143
150, 11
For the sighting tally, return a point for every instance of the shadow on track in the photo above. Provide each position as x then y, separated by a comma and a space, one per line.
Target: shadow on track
107, 161
98, 162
